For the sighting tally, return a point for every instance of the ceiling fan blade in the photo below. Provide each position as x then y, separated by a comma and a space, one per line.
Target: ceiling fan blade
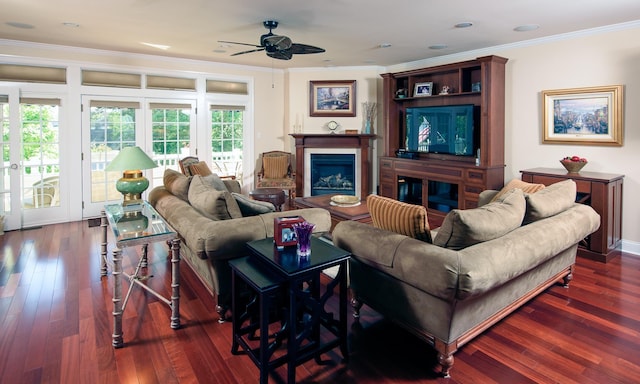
235, 42
284, 54
303, 49
249, 51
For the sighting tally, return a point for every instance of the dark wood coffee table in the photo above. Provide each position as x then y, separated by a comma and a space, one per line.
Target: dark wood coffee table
358, 213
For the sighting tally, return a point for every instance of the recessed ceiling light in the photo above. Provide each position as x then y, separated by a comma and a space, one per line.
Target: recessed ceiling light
219, 51
71, 25
438, 46
464, 24
384, 45
526, 28
159, 46
17, 24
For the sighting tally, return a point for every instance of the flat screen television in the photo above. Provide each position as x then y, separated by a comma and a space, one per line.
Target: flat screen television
442, 129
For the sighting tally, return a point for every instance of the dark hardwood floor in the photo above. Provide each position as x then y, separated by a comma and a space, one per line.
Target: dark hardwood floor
56, 324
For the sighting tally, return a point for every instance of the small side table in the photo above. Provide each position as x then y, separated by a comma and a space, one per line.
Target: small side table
274, 196
273, 274
132, 227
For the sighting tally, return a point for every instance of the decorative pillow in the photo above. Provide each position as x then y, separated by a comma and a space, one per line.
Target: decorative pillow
275, 167
250, 207
550, 201
216, 205
215, 181
396, 216
177, 184
463, 228
517, 183
200, 168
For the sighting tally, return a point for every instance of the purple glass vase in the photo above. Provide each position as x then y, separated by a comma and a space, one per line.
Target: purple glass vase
303, 235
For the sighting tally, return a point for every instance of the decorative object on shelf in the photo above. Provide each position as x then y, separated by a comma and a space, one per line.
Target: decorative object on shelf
351, 131
401, 93
370, 108
591, 116
573, 164
445, 90
297, 127
423, 89
475, 87
332, 98
332, 125
131, 160
303, 232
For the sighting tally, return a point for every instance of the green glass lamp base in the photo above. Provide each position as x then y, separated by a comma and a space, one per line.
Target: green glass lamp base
132, 185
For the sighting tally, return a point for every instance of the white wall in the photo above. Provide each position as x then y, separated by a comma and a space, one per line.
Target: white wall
598, 58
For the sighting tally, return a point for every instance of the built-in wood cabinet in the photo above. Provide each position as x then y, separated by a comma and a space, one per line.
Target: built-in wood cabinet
603, 192
429, 177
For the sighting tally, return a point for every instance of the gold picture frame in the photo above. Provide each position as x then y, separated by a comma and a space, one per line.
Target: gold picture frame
583, 116
329, 98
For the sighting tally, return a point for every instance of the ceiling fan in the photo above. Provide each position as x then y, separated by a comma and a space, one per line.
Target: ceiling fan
277, 47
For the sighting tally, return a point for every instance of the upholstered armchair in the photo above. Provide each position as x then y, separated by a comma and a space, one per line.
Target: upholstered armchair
276, 172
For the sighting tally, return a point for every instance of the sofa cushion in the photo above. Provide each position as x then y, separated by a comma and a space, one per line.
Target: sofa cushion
200, 168
250, 207
463, 228
275, 167
214, 204
517, 183
550, 201
215, 181
396, 216
177, 184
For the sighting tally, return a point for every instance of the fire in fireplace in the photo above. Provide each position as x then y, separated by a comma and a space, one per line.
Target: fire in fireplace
333, 173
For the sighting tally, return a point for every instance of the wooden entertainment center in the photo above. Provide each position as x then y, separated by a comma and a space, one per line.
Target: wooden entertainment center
442, 182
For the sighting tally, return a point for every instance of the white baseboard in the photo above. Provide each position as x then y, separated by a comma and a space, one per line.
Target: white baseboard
631, 247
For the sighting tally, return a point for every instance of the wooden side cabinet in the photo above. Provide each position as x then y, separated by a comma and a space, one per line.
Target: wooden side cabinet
603, 192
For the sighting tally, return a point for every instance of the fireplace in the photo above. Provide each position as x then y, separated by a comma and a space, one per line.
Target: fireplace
332, 173
354, 149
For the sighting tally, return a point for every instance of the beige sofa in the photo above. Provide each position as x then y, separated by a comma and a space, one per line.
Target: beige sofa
487, 264
215, 226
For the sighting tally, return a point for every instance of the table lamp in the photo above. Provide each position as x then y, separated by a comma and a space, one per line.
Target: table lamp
131, 160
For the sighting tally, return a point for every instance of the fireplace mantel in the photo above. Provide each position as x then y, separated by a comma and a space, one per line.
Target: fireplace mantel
361, 141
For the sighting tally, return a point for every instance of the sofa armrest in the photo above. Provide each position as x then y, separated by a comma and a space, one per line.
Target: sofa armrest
422, 265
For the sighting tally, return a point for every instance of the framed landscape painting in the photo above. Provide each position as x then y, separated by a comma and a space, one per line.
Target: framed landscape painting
332, 98
589, 116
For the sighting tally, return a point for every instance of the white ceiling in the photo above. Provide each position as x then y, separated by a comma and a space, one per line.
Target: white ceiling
351, 31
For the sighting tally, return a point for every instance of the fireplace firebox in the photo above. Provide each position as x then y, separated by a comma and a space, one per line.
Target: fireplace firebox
333, 173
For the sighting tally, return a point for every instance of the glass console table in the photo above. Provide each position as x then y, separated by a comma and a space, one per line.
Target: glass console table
132, 227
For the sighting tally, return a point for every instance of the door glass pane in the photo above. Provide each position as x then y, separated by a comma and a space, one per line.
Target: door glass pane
227, 128
40, 156
112, 128
5, 182
170, 139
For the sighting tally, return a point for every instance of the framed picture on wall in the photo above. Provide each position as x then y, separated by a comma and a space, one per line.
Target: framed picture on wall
332, 98
589, 116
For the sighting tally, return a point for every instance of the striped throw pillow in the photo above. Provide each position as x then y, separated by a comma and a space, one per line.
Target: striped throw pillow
396, 216
519, 184
200, 168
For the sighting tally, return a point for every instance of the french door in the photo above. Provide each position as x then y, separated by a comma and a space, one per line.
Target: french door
34, 179
164, 130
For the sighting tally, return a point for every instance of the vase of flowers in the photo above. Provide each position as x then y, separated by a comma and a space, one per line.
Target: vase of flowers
369, 108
